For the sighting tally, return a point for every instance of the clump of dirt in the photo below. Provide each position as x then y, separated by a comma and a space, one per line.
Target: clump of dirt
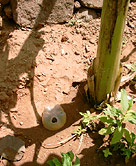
48, 66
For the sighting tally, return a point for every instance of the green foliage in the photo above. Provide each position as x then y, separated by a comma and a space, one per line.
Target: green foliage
126, 146
107, 152
80, 131
87, 118
87, 122
115, 120
67, 159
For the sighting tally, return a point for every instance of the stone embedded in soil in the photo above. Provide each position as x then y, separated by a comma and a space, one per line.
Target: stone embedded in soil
31, 13
96, 4
64, 38
86, 15
12, 148
77, 4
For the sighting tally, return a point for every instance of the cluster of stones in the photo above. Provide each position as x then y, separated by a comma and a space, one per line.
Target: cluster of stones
33, 12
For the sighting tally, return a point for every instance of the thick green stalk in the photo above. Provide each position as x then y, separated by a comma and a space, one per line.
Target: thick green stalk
109, 47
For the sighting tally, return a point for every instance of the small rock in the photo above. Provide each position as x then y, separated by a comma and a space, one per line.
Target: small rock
64, 38
45, 90
77, 53
77, 4
134, 43
77, 30
86, 15
131, 25
12, 148
62, 52
96, 4
87, 49
14, 117
21, 123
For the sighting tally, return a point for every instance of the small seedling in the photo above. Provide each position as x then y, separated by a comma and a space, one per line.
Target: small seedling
72, 22
87, 119
66, 160
80, 131
107, 152
86, 122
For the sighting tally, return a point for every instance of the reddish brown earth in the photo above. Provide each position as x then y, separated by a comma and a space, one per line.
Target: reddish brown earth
48, 66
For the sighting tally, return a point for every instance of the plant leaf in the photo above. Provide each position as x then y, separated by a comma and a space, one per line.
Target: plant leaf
51, 163
107, 130
117, 135
107, 152
124, 100
130, 116
106, 120
133, 138
66, 160
71, 155
130, 103
127, 135
56, 162
131, 120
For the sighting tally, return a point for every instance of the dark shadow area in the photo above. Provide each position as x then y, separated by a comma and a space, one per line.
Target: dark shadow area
50, 157
95, 157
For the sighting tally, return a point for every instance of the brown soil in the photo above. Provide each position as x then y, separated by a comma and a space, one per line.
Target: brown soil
48, 66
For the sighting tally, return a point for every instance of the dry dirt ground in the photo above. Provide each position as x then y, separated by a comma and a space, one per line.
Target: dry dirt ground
48, 66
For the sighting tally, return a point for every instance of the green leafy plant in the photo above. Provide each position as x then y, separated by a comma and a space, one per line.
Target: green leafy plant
115, 119
115, 125
67, 159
